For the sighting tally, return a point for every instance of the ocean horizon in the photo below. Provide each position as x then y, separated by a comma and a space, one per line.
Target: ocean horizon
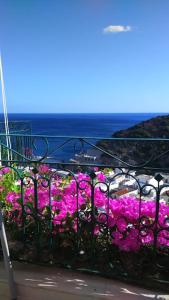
80, 124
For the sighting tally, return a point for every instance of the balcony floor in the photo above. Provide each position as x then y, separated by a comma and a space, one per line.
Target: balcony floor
42, 283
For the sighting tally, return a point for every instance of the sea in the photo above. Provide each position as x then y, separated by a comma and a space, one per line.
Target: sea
78, 125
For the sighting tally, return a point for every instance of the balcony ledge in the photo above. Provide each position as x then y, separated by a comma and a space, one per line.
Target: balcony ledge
42, 283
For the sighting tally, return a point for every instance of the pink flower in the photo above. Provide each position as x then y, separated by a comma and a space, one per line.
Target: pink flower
12, 197
44, 169
101, 177
6, 170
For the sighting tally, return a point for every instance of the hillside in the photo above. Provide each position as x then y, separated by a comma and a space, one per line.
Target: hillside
138, 152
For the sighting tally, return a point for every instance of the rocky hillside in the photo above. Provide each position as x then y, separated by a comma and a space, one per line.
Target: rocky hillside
157, 127
139, 152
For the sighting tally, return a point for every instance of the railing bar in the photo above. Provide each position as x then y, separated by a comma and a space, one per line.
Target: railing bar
91, 137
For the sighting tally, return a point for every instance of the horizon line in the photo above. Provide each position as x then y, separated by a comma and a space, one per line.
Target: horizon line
87, 112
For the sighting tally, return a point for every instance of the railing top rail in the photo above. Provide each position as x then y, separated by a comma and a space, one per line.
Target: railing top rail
88, 137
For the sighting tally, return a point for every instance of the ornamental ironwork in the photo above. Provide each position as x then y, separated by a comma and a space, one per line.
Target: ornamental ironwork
86, 204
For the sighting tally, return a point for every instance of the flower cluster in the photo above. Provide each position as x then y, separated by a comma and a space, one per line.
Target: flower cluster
130, 222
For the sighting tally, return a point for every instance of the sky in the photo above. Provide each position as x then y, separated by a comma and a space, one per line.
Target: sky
91, 56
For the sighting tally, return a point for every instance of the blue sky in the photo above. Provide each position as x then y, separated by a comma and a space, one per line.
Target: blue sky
85, 56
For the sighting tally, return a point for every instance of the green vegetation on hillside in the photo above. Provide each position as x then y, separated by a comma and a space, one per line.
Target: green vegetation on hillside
139, 152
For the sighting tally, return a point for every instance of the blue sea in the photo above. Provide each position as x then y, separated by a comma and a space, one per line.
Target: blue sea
79, 125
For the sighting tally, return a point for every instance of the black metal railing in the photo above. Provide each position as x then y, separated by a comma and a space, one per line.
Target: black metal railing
90, 204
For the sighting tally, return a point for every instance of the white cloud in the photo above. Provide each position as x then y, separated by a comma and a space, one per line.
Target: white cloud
116, 28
